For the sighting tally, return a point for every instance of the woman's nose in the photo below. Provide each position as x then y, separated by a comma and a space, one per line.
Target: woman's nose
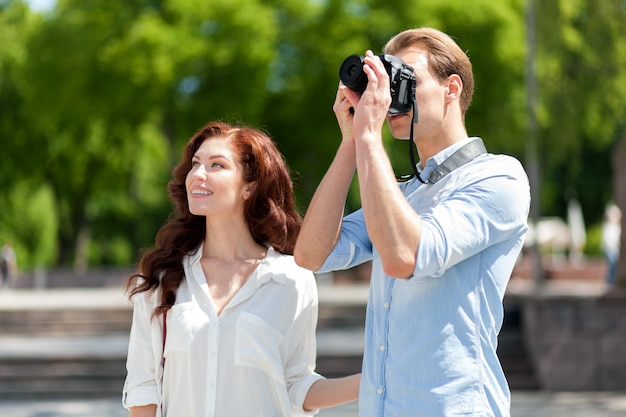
199, 172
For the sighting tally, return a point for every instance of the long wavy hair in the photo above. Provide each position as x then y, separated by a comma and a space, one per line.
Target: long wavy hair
270, 210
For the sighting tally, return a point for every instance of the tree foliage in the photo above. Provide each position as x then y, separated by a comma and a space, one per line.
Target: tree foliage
97, 99
582, 90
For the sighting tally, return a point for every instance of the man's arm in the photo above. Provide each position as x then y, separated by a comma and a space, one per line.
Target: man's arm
322, 223
392, 225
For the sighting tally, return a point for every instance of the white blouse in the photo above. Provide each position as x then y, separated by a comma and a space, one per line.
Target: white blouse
257, 358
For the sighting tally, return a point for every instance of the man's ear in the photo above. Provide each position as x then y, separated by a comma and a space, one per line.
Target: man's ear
454, 88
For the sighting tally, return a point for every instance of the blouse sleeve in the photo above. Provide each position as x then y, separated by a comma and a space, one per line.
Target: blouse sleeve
142, 381
300, 365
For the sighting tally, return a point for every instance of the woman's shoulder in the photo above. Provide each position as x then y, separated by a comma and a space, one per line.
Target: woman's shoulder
285, 266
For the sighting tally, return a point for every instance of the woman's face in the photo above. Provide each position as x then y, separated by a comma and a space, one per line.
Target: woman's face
215, 183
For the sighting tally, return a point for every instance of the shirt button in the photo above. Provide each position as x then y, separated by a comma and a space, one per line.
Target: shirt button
435, 199
382, 347
386, 305
379, 391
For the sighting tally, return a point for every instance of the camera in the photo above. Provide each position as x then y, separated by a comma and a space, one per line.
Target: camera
401, 79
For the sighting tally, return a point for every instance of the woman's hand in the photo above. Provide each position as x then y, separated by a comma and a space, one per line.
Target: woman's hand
143, 411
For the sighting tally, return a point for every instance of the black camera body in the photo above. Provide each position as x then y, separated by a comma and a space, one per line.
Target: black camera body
401, 78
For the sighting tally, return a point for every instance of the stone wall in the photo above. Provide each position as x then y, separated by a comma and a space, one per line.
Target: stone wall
576, 336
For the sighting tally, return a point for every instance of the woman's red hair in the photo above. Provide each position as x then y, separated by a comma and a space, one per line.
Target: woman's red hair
269, 211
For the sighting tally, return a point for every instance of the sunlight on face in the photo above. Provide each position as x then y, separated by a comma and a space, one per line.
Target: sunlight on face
215, 184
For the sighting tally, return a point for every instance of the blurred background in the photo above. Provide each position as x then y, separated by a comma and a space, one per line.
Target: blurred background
98, 98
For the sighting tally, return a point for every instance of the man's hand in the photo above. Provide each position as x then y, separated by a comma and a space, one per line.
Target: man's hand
373, 105
343, 107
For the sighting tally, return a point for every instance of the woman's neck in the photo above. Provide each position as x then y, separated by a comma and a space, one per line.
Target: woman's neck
231, 240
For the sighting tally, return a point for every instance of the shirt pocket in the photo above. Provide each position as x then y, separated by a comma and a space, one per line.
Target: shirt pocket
257, 345
182, 320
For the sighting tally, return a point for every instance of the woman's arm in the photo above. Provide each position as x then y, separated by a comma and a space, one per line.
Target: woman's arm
143, 411
141, 390
326, 393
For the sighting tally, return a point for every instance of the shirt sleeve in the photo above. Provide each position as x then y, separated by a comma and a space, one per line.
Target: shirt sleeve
302, 347
490, 209
354, 246
141, 386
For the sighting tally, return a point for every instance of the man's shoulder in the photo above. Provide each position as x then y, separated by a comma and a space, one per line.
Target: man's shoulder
500, 163
498, 170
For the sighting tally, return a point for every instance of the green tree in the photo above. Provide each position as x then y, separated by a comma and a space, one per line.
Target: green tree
26, 215
97, 98
582, 90
305, 74
110, 90
582, 112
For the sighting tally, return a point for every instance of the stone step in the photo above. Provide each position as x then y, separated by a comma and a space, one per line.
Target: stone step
68, 377
72, 343
74, 321
94, 365
106, 310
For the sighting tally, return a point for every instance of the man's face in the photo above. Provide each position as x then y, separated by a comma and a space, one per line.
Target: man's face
429, 94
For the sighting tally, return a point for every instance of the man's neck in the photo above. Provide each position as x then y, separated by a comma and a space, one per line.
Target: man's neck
429, 147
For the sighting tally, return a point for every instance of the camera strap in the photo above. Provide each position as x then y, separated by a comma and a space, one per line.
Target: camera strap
459, 158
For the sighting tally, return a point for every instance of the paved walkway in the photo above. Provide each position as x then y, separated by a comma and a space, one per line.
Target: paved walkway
524, 404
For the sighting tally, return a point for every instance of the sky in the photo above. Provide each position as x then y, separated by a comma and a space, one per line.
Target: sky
41, 5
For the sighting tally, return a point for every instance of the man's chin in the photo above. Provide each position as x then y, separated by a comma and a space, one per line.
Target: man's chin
399, 127
400, 134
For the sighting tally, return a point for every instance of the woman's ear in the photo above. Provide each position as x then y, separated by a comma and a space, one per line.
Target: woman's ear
249, 189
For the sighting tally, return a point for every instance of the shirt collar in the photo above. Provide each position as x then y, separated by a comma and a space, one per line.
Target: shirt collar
193, 258
261, 273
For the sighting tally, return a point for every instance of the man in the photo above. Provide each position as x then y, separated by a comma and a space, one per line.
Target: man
442, 250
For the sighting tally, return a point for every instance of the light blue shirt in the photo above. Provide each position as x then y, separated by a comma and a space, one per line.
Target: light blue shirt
430, 341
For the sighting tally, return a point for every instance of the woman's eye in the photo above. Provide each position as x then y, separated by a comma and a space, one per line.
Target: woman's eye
217, 165
195, 163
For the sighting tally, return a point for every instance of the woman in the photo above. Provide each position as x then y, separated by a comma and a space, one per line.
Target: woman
224, 320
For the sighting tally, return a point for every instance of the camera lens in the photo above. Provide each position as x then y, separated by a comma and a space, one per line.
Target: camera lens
352, 75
